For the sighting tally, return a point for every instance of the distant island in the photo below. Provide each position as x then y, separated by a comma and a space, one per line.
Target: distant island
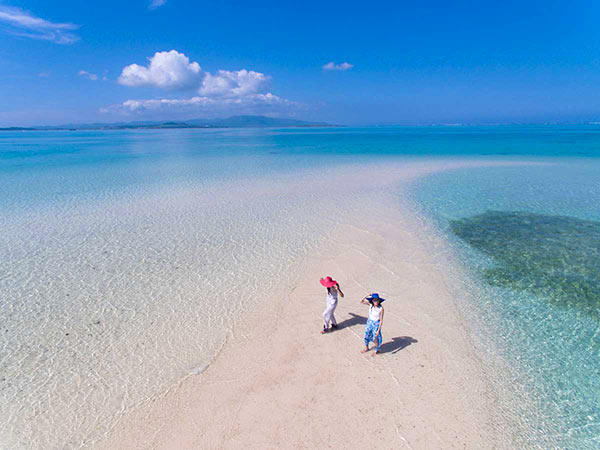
230, 122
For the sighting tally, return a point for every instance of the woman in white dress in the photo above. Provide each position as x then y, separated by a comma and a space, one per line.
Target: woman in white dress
333, 288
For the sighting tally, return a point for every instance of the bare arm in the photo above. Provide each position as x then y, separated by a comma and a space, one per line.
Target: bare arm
364, 300
340, 290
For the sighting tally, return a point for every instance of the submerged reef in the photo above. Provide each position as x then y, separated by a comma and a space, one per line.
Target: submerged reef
555, 257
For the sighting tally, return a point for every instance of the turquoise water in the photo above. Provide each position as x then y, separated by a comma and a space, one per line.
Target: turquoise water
530, 236
61, 166
112, 239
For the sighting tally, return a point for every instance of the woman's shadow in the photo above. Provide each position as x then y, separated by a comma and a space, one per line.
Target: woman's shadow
393, 346
354, 319
397, 344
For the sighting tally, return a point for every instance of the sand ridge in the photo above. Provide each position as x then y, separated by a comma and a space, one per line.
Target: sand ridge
279, 383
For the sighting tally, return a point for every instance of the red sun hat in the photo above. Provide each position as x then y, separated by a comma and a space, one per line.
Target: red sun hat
328, 282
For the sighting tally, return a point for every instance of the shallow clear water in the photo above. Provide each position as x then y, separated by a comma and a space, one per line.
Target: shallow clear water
125, 260
127, 256
530, 236
554, 257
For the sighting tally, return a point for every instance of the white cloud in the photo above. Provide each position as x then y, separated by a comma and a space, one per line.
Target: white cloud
22, 23
224, 91
251, 104
156, 4
88, 75
333, 66
234, 83
167, 70
166, 104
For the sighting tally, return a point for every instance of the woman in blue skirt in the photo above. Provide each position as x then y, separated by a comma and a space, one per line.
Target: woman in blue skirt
375, 321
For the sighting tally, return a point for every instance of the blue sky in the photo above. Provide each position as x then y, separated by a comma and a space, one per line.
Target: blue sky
416, 62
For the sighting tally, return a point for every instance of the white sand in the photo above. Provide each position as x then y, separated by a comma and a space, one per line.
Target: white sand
278, 383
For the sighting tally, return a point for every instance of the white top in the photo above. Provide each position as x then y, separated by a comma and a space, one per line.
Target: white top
374, 313
332, 296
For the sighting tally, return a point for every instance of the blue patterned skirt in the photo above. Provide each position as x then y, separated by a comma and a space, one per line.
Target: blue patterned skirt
370, 331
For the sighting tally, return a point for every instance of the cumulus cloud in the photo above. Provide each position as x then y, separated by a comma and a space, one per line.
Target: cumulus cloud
156, 4
173, 70
88, 75
222, 91
233, 83
333, 66
166, 70
22, 23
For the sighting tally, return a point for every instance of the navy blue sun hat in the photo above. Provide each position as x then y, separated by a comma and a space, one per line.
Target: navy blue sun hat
375, 295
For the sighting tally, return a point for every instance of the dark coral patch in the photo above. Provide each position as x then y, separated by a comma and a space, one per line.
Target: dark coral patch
555, 257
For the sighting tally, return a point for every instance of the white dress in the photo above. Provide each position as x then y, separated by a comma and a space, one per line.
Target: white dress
332, 299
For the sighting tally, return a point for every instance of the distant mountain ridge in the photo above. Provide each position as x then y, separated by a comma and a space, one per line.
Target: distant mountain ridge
230, 122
